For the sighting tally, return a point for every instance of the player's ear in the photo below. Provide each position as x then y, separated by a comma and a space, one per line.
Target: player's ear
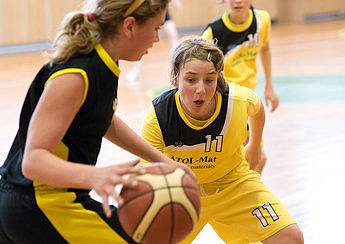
176, 82
173, 80
128, 26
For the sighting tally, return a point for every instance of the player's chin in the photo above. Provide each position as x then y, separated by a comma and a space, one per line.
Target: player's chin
146, 52
198, 109
141, 55
138, 57
133, 59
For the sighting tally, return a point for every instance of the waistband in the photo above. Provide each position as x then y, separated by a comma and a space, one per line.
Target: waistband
6, 185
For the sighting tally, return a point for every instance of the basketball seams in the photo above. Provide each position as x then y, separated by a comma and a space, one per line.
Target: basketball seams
171, 207
186, 210
128, 200
158, 189
150, 225
195, 190
169, 195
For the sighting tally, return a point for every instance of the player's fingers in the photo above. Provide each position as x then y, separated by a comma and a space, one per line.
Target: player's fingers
130, 182
126, 180
274, 105
130, 170
105, 205
132, 163
267, 101
117, 198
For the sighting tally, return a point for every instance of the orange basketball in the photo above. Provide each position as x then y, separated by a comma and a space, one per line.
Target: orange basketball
163, 208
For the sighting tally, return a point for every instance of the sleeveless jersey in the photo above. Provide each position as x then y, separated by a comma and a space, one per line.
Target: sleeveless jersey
240, 45
212, 149
83, 138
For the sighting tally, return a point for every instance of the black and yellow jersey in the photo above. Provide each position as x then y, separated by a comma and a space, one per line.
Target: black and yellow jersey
83, 138
211, 148
240, 44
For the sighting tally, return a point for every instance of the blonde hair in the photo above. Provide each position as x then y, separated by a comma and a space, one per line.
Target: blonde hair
79, 33
195, 47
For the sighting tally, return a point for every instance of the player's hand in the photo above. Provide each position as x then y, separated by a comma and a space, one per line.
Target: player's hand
106, 178
253, 154
271, 99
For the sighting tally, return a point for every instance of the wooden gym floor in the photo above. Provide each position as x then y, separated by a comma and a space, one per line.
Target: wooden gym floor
304, 138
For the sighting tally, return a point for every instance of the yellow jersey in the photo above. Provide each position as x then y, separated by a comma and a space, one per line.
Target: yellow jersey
240, 44
211, 148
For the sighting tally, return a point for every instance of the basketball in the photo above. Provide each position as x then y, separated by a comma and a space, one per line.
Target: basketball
163, 208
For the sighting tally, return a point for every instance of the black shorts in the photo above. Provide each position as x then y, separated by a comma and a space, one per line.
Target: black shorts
50, 216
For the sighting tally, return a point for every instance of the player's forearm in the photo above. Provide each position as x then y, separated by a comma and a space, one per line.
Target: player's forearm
266, 61
123, 136
42, 166
257, 123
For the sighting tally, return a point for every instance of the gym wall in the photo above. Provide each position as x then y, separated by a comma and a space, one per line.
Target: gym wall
35, 21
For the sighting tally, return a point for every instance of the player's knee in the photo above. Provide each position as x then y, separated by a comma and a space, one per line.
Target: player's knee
289, 235
295, 235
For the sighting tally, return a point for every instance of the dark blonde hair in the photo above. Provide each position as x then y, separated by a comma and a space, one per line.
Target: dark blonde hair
196, 47
79, 33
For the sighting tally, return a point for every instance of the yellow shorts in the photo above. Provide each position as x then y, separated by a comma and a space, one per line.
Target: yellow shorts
240, 208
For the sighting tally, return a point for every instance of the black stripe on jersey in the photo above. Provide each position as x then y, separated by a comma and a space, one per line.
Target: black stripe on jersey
175, 131
228, 39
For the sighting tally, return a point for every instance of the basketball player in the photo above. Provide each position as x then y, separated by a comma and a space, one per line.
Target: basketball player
241, 33
202, 124
69, 107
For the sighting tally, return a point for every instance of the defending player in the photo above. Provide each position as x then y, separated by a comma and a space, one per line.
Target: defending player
202, 124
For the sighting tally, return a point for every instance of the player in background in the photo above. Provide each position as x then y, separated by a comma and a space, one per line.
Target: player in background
242, 33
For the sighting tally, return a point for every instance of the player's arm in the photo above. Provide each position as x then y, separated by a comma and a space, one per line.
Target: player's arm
271, 98
150, 130
55, 111
122, 135
152, 133
256, 114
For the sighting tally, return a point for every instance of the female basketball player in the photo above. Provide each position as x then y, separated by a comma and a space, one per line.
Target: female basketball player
202, 124
241, 33
69, 107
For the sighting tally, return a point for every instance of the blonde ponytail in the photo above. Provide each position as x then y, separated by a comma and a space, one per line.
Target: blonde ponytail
79, 34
